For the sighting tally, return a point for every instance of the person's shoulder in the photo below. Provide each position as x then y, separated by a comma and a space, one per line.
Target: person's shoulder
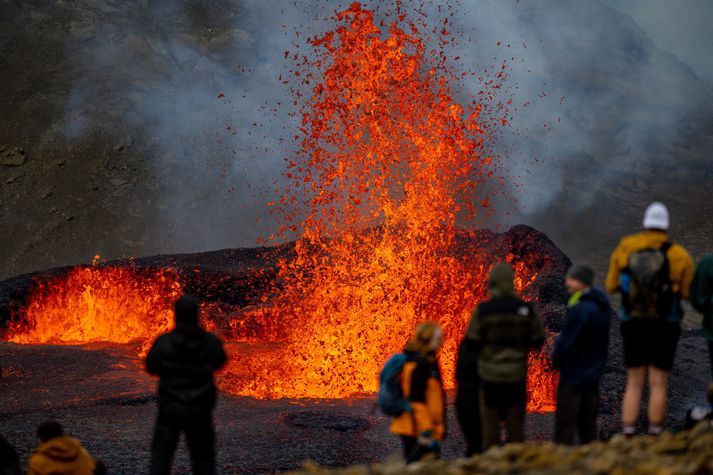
506, 306
162, 340
212, 338
706, 263
36, 462
678, 251
634, 240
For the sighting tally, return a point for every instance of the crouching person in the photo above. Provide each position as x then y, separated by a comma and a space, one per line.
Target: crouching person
502, 331
580, 355
59, 454
423, 427
185, 359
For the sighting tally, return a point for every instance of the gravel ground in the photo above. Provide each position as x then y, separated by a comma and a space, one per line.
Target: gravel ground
102, 396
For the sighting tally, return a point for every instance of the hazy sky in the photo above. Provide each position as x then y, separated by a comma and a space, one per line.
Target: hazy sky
681, 27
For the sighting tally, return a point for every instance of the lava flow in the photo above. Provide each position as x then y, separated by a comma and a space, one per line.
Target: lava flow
387, 163
90, 304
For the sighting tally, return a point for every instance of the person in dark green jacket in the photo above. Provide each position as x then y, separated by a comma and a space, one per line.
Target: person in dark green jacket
502, 331
702, 299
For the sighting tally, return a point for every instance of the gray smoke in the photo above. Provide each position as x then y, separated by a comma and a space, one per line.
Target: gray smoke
589, 89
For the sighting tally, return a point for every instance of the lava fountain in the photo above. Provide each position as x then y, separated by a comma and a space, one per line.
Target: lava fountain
387, 164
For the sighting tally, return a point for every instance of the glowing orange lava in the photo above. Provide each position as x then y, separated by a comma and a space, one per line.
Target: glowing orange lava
387, 162
89, 304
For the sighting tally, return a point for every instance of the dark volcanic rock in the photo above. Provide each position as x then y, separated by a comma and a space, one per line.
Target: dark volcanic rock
242, 277
319, 420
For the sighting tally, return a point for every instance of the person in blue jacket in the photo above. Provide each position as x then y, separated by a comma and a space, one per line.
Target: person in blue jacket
580, 355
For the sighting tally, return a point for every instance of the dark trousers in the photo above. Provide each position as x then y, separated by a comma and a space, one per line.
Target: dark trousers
503, 402
468, 412
200, 438
710, 354
577, 411
413, 451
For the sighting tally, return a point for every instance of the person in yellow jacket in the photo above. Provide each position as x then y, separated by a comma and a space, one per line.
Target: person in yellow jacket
59, 454
422, 429
651, 312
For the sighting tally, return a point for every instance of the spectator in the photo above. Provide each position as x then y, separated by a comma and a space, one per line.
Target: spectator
9, 461
423, 427
580, 355
185, 359
653, 275
702, 300
503, 330
59, 454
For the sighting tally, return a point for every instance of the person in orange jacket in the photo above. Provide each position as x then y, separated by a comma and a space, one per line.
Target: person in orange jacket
650, 313
59, 454
424, 427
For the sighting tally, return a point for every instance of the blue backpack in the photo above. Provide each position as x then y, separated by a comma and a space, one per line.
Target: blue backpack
391, 397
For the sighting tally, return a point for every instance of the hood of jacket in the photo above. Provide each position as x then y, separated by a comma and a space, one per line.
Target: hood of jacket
500, 282
62, 449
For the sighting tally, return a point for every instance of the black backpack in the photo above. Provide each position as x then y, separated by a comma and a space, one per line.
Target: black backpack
650, 293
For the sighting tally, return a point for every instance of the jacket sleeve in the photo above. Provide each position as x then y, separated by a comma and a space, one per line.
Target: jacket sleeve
537, 332
700, 288
564, 344
153, 359
686, 271
617, 262
417, 397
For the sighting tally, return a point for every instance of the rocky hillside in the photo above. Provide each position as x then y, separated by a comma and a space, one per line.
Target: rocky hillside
142, 127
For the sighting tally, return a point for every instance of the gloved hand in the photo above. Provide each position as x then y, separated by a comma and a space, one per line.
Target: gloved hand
426, 440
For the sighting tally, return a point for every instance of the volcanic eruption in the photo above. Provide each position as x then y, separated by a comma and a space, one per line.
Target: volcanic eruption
384, 190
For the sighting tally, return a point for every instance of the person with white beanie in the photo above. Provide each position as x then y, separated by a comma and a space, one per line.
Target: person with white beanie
653, 275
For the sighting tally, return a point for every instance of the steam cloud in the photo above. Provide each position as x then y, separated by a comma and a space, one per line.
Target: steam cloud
587, 84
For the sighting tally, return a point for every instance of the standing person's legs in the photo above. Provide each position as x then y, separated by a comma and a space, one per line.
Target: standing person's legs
490, 421
658, 398
412, 449
588, 412
566, 415
632, 399
468, 412
200, 438
163, 446
516, 423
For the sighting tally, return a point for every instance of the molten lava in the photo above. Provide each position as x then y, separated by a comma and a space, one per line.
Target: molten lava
387, 163
117, 304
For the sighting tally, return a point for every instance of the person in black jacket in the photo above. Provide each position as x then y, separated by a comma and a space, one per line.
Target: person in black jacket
9, 461
468, 399
580, 354
185, 359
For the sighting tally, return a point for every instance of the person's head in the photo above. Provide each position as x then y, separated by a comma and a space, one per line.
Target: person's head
49, 430
186, 310
579, 277
709, 394
426, 339
500, 281
656, 217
